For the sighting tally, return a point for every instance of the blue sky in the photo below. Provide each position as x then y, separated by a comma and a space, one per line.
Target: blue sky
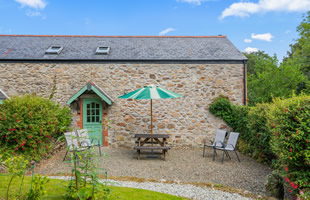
267, 25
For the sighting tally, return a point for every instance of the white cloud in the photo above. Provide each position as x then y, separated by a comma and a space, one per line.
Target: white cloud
33, 13
164, 32
250, 50
38, 4
246, 40
266, 37
244, 9
195, 2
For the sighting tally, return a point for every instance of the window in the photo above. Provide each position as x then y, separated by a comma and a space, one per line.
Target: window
54, 50
103, 50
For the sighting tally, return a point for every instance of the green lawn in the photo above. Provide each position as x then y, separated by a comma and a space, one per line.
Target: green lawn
56, 191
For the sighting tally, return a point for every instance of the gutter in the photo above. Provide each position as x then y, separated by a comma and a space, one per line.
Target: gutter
244, 82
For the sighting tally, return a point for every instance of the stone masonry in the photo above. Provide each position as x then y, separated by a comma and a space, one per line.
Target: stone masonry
186, 120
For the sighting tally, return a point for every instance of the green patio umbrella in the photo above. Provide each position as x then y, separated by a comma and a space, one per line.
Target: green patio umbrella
151, 92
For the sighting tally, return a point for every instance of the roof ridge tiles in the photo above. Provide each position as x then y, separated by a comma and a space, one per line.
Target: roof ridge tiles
113, 36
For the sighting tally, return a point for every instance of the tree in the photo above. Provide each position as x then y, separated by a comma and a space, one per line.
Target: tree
266, 79
299, 54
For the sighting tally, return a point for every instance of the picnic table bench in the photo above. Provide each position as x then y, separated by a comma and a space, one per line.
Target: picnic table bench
155, 142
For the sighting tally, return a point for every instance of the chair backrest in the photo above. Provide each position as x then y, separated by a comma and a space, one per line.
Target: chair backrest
84, 137
233, 139
219, 137
72, 140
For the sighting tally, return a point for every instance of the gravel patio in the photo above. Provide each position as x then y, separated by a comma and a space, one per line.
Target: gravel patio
182, 164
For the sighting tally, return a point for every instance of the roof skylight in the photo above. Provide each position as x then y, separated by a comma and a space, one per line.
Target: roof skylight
103, 50
54, 50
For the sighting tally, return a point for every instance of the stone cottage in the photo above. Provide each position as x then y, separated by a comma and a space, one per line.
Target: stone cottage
90, 72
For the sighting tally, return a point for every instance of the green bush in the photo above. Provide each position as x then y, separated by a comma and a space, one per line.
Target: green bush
258, 133
251, 123
27, 124
290, 122
235, 116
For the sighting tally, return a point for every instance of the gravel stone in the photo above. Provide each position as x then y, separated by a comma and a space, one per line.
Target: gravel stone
181, 165
181, 190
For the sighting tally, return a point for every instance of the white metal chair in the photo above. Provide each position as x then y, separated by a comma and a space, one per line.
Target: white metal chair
72, 143
85, 140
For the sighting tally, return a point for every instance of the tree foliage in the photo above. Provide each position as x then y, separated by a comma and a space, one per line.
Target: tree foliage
300, 51
267, 79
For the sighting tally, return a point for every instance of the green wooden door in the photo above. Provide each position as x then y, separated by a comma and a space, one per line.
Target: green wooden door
92, 118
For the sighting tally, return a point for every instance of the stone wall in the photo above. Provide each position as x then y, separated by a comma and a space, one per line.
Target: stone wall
186, 120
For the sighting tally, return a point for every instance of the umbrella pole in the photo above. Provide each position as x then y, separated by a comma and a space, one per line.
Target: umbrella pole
152, 155
152, 120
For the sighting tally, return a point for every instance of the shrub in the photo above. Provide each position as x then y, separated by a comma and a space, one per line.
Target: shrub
251, 123
235, 116
27, 124
258, 133
290, 122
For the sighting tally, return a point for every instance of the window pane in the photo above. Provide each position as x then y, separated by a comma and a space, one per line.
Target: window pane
97, 112
93, 112
97, 105
97, 119
93, 119
88, 105
88, 112
88, 119
93, 105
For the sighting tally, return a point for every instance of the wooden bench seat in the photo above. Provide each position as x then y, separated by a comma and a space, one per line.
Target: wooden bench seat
152, 148
163, 148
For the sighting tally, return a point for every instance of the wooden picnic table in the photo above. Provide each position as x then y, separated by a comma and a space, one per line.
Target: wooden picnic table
154, 142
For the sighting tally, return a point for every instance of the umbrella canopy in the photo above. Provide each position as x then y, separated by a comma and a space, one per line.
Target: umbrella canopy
151, 92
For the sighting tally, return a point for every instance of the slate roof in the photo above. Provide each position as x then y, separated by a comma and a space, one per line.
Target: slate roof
123, 48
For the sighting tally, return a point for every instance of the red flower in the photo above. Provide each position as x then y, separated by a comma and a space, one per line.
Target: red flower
17, 120
290, 149
286, 169
285, 110
29, 126
30, 136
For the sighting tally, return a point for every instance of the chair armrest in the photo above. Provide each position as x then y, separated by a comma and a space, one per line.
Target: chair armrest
87, 144
218, 142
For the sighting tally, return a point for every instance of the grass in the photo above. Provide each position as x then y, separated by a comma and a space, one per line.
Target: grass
56, 190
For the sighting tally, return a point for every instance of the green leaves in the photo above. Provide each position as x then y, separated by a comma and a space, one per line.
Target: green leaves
292, 125
27, 124
266, 79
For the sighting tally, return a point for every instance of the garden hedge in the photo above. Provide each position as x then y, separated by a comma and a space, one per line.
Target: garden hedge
277, 133
28, 123
290, 123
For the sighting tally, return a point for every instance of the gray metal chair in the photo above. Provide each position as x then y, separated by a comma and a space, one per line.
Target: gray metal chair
229, 146
218, 141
